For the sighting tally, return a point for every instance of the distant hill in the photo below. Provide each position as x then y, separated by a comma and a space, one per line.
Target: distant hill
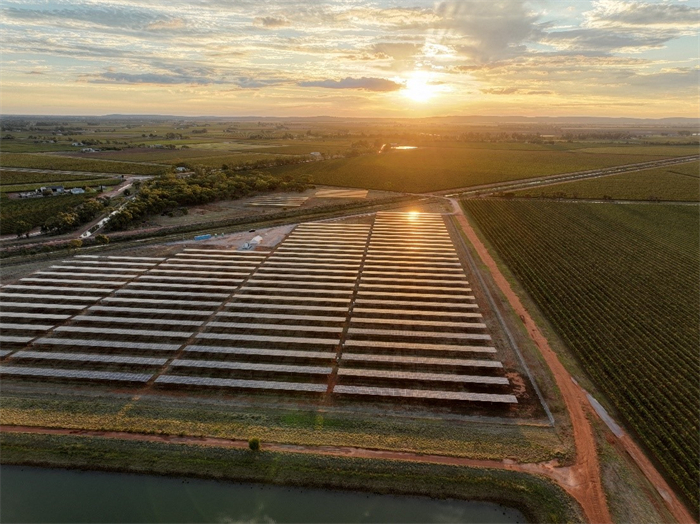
463, 120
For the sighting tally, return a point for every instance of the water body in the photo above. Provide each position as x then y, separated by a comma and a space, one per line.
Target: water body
59, 495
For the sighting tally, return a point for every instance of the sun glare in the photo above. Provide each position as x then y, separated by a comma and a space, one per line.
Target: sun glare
418, 87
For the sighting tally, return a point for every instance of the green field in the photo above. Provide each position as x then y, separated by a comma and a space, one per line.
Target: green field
654, 150
169, 156
34, 211
235, 159
678, 182
67, 184
10, 178
19, 146
620, 285
65, 163
436, 168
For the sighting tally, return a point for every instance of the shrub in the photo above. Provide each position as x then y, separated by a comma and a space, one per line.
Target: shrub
254, 444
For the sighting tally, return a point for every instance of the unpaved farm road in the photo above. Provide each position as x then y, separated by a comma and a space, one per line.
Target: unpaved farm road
582, 480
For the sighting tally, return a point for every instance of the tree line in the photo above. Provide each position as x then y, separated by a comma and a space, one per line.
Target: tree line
169, 192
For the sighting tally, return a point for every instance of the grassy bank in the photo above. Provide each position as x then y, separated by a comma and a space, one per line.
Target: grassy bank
538, 498
218, 416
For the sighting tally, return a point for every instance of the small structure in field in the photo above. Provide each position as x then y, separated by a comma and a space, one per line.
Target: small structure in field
253, 242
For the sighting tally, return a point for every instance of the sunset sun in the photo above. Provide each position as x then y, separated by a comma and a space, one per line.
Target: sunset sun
418, 87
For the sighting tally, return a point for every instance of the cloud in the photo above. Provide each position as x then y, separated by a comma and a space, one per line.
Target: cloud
166, 25
486, 30
364, 83
270, 22
632, 27
150, 78
606, 40
86, 14
395, 50
187, 76
512, 91
621, 14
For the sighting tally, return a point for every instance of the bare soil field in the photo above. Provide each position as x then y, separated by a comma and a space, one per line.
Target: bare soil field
241, 208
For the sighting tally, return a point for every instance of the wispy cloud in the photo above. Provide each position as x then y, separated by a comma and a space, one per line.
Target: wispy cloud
271, 21
364, 83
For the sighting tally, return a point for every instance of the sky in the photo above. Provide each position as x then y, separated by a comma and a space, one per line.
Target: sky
351, 57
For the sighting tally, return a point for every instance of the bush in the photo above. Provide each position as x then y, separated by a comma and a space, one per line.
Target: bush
102, 239
254, 444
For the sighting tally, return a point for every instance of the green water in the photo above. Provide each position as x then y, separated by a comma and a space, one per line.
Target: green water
59, 495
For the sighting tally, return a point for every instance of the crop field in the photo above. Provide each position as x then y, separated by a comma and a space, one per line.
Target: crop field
45, 161
652, 150
67, 184
337, 313
166, 156
34, 211
226, 152
450, 167
14, 146
231, 160
620, 284
679, 182
8, 178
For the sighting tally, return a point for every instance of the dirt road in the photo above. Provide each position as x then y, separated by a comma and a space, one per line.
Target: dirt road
584, 476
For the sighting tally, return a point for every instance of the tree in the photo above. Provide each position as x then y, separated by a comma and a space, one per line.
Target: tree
102, 239
76, 243
254, 444
22, 228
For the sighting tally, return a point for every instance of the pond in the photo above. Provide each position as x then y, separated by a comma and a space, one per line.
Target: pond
29, 494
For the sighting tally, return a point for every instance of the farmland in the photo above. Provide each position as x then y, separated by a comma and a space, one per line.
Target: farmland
680, 182
10, 160
67, 184
15, 181
619, 284
451, 167
9, 178
34, 211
